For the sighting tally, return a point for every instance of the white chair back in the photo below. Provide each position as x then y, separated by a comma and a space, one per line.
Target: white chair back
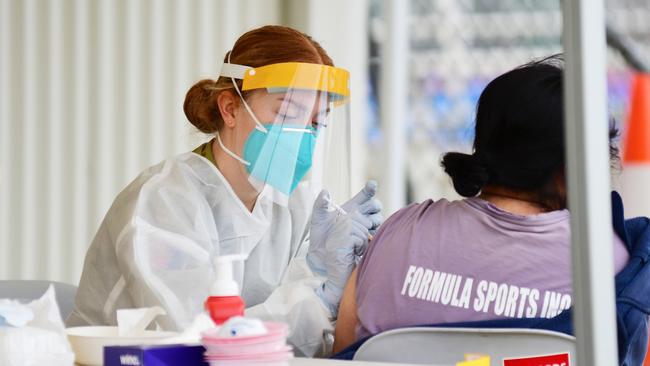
446, 346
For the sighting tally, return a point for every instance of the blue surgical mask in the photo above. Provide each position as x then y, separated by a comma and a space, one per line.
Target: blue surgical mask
280, 156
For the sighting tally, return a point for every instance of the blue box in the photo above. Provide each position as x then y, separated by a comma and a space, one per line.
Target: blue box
154, 355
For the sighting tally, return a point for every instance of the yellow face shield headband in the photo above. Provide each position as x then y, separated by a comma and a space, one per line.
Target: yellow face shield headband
292, 75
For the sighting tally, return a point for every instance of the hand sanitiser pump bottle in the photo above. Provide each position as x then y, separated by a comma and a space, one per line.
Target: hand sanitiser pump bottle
224, 301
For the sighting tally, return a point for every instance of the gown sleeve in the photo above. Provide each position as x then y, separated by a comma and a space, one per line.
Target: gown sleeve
164, 250
295, 302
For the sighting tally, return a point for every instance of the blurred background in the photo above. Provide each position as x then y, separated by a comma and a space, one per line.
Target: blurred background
91, 93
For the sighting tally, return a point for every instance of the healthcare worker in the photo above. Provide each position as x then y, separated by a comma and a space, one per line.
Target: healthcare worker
275, 111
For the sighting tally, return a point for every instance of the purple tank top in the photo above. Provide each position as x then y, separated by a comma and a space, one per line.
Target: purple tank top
467, 260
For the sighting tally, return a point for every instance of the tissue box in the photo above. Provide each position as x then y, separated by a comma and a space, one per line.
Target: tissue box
158, 355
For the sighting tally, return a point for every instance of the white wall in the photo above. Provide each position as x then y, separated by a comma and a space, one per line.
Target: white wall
91, 93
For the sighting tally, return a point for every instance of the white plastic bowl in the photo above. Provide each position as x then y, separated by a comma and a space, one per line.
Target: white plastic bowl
88, 342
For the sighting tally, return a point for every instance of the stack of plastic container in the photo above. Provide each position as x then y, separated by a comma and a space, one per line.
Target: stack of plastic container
231, 349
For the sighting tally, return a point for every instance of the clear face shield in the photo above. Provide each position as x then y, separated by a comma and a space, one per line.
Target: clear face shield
300, 140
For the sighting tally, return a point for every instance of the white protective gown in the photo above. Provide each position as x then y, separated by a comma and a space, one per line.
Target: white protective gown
156, 243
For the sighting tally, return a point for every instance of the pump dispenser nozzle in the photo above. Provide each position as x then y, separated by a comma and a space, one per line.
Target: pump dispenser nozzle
224, 282
224, 301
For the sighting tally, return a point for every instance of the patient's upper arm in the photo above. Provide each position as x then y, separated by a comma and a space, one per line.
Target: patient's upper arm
346, 323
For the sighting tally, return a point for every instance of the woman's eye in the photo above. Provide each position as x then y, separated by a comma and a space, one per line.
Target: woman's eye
285, 116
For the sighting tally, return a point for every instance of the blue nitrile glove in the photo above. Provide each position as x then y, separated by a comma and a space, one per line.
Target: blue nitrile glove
323, 217
347, 239
367, 204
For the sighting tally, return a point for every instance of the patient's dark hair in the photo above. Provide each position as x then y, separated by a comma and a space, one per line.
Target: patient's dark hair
519, 140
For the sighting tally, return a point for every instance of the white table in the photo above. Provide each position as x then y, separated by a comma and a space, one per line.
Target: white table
298, 361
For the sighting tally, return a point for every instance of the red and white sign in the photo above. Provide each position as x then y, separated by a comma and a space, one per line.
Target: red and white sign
560, 359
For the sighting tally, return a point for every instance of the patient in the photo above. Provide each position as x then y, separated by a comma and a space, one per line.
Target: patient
504, 251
